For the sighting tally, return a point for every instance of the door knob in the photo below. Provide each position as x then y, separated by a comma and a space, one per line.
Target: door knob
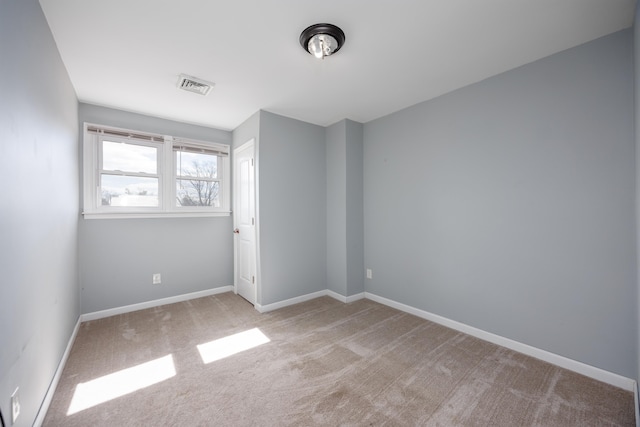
236, 231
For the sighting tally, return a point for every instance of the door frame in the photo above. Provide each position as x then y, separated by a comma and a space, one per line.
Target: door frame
258, 294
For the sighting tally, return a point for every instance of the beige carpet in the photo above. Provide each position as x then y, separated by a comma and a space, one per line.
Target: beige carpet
325, 363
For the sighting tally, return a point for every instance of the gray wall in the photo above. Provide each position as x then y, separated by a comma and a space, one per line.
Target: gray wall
355, 207
118, 256
249, 129
636, 56
345, 232
336, 208
292, 193
508, 205
39, 208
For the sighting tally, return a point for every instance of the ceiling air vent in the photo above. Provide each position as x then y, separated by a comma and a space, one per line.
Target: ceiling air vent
192, 84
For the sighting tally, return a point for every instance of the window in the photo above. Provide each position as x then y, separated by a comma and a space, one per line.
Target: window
197, 180
128, 173
131, 174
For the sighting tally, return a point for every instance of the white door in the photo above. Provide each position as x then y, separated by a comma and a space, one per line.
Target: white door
244, 218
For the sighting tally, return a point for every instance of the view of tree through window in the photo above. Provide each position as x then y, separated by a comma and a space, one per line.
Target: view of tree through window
197, 182
129, 173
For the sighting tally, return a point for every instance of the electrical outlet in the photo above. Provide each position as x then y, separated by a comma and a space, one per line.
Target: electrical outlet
157, 279
369, 273
15, 406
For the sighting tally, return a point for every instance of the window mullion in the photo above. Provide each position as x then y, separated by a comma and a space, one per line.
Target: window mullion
121, 173
168, 180
197, 178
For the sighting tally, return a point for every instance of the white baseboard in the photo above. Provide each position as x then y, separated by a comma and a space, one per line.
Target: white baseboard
44, 407
344, 299
155, 303
555, 359
355, 297
336, 296
290, 301
307, 297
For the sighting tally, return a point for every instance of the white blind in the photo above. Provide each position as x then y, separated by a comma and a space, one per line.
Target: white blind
179, 144
125, 133
195, 147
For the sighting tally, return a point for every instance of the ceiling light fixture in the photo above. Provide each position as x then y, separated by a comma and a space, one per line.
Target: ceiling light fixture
322, 40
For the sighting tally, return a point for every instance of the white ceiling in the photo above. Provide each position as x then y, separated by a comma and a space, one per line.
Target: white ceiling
128, 54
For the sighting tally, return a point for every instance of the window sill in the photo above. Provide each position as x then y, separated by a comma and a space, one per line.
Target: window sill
147, 215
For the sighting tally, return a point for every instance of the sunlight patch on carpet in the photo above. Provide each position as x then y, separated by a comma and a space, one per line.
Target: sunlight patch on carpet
121, 383
233, 344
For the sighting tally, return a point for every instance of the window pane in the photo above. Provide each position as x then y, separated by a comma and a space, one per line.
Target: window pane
131, 191
193, 192
120, 156
197, 165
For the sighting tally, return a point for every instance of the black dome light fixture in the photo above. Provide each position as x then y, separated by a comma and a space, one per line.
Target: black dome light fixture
322, 40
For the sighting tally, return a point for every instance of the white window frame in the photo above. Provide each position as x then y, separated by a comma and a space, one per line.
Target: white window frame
166, 169
222, 167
